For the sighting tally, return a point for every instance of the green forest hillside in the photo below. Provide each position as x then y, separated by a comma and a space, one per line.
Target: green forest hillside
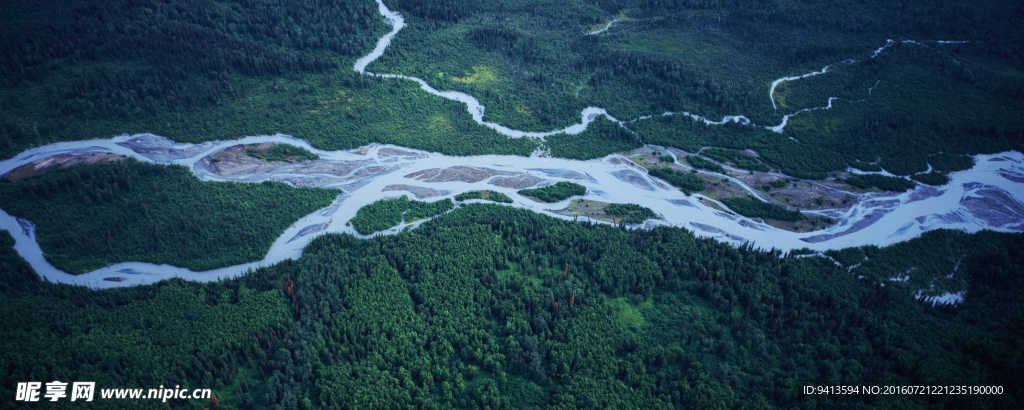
211, 69
90, 216
532, 65
215, 335
487, 305
496, 306
219, 69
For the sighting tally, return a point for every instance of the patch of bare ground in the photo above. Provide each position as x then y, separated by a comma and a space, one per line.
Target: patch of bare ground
517, 182
831, 196
564, 173
812, 223
807, 196
261, 147
236, 160
420, 192
160, 149
235, 163
457, 173
230, 161
397, 153
811, 195
633, 178
714, 205
647, 157
41, 165
719, 188
498, 197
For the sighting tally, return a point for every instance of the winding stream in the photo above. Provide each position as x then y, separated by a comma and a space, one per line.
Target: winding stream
988, 196
473, 106
476, 110
606, 27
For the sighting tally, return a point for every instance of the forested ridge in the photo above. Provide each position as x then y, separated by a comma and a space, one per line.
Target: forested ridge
228, 68
217, 335
496, 306
534, 69
931, 178
89, 216
737, 159
177, 57
491, 306
215, 69
601, 138
791, 157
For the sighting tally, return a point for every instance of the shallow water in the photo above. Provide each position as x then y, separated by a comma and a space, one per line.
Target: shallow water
980, 198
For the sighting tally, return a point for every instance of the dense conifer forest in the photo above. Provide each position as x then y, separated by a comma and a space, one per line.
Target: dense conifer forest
223, 69
487, 195
200, 71
754, 208
555, 193
931, 178
216, 335
89, 216
687, 182
487, 305
386, 213
496, 306
534, 68
602, 138
702, 163
883, 182
630, 213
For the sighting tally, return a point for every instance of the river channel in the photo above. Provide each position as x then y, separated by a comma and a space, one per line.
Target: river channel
988, 196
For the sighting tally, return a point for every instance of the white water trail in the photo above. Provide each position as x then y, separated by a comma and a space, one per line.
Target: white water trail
771, 91
873, 87
989, 196
888, 43
476, 110
606, 27
785, 118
